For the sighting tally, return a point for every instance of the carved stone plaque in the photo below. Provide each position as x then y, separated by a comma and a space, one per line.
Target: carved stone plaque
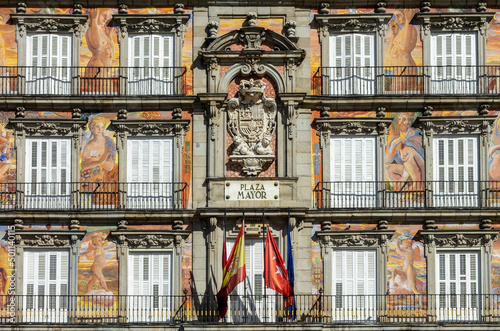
251, 124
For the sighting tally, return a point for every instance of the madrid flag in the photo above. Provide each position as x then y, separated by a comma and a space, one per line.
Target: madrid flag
234, 271
275, 274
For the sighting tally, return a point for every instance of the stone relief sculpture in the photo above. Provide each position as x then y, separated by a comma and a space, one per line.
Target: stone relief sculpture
251, 124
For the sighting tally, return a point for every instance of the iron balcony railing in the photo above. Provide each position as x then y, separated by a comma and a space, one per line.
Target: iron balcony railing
404, 80
92, 81
407, 195
254, 309
93, 196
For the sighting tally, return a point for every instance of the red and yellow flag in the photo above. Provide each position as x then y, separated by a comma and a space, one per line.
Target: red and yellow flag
234, 271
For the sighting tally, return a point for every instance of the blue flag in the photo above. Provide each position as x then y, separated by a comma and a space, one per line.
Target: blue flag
292, 310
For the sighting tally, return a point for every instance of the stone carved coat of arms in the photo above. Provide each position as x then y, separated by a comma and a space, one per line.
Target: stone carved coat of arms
252, 124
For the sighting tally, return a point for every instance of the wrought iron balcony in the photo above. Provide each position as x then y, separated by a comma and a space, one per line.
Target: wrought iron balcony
255, 309
404, 80
90, 196
407, 195
92, 81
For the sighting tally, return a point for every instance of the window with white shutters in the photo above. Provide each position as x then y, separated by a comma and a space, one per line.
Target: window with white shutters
352, 58
352, 171
48, 173
454, 61
458, 285
250, 304
151, 62
150, 172
354, 284
455, 171
150, 286
45, 277
49, 64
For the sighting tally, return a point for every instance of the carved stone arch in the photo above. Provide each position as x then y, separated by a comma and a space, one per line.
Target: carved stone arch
235, 70
237, 36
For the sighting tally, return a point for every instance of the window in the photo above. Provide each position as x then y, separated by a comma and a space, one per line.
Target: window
151, 59
150, 282
352, 61
354, 284
46, 292
249, 305
48, 173
456, 171
150, 173
353, 176
458, 286
454, 63
49, 64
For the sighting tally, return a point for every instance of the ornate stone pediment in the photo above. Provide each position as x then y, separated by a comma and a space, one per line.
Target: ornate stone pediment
252, 124
455, 124
454, 22
156, 23
47, 127
332, 23
149, 239
355, 238
49, 238
49, 23
457, 239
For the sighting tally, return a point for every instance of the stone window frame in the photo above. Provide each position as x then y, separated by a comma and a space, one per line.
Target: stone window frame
375, 23
174, 128
172, 241
328, 127
480, 126
481, 241
355, 240
72, 128
174, 24
49, 23
69, 240
453, 22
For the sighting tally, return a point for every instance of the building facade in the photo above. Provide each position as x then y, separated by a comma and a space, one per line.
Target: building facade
136, 137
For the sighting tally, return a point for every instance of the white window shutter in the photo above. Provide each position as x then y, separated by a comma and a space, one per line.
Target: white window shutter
354, 272
151, 160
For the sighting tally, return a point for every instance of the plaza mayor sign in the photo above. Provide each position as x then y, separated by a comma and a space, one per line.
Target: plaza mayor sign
252, 190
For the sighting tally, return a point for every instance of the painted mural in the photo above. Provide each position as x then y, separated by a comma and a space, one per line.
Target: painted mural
494, 153
98, 268
7, 266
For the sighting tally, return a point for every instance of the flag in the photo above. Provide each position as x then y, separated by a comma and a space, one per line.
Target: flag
224, 253
292, 310
275, 275
234, 271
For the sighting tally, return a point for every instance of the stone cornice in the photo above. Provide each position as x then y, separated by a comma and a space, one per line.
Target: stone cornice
48, 23
149, 238
332, 23
47, 127
49, 238
356, 125
456, 238
147, 23
152, 127
453, 21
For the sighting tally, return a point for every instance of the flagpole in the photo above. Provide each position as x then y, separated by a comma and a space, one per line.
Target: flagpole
264, 234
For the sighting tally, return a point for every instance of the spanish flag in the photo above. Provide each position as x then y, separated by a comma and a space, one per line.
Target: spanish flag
234, 271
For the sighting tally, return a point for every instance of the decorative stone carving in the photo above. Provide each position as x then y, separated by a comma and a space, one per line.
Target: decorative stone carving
382, 225
481, 7
485, 224
122, 114
47, 240
179, 8
290, 28
253, 65
45, 127
18, 224
325, 112
354, 240
252, 37
456, 124
177, 113
453, 22
484, 109
77, 9
324, 8
380, 112
326, 225
428, 111
20, 112
430, 225
178, 224
122, 225
381, 7
251, 124
122, 9
21, 8
251, 18
425, 7
74, 225
212, 28
149, 241
77, 113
